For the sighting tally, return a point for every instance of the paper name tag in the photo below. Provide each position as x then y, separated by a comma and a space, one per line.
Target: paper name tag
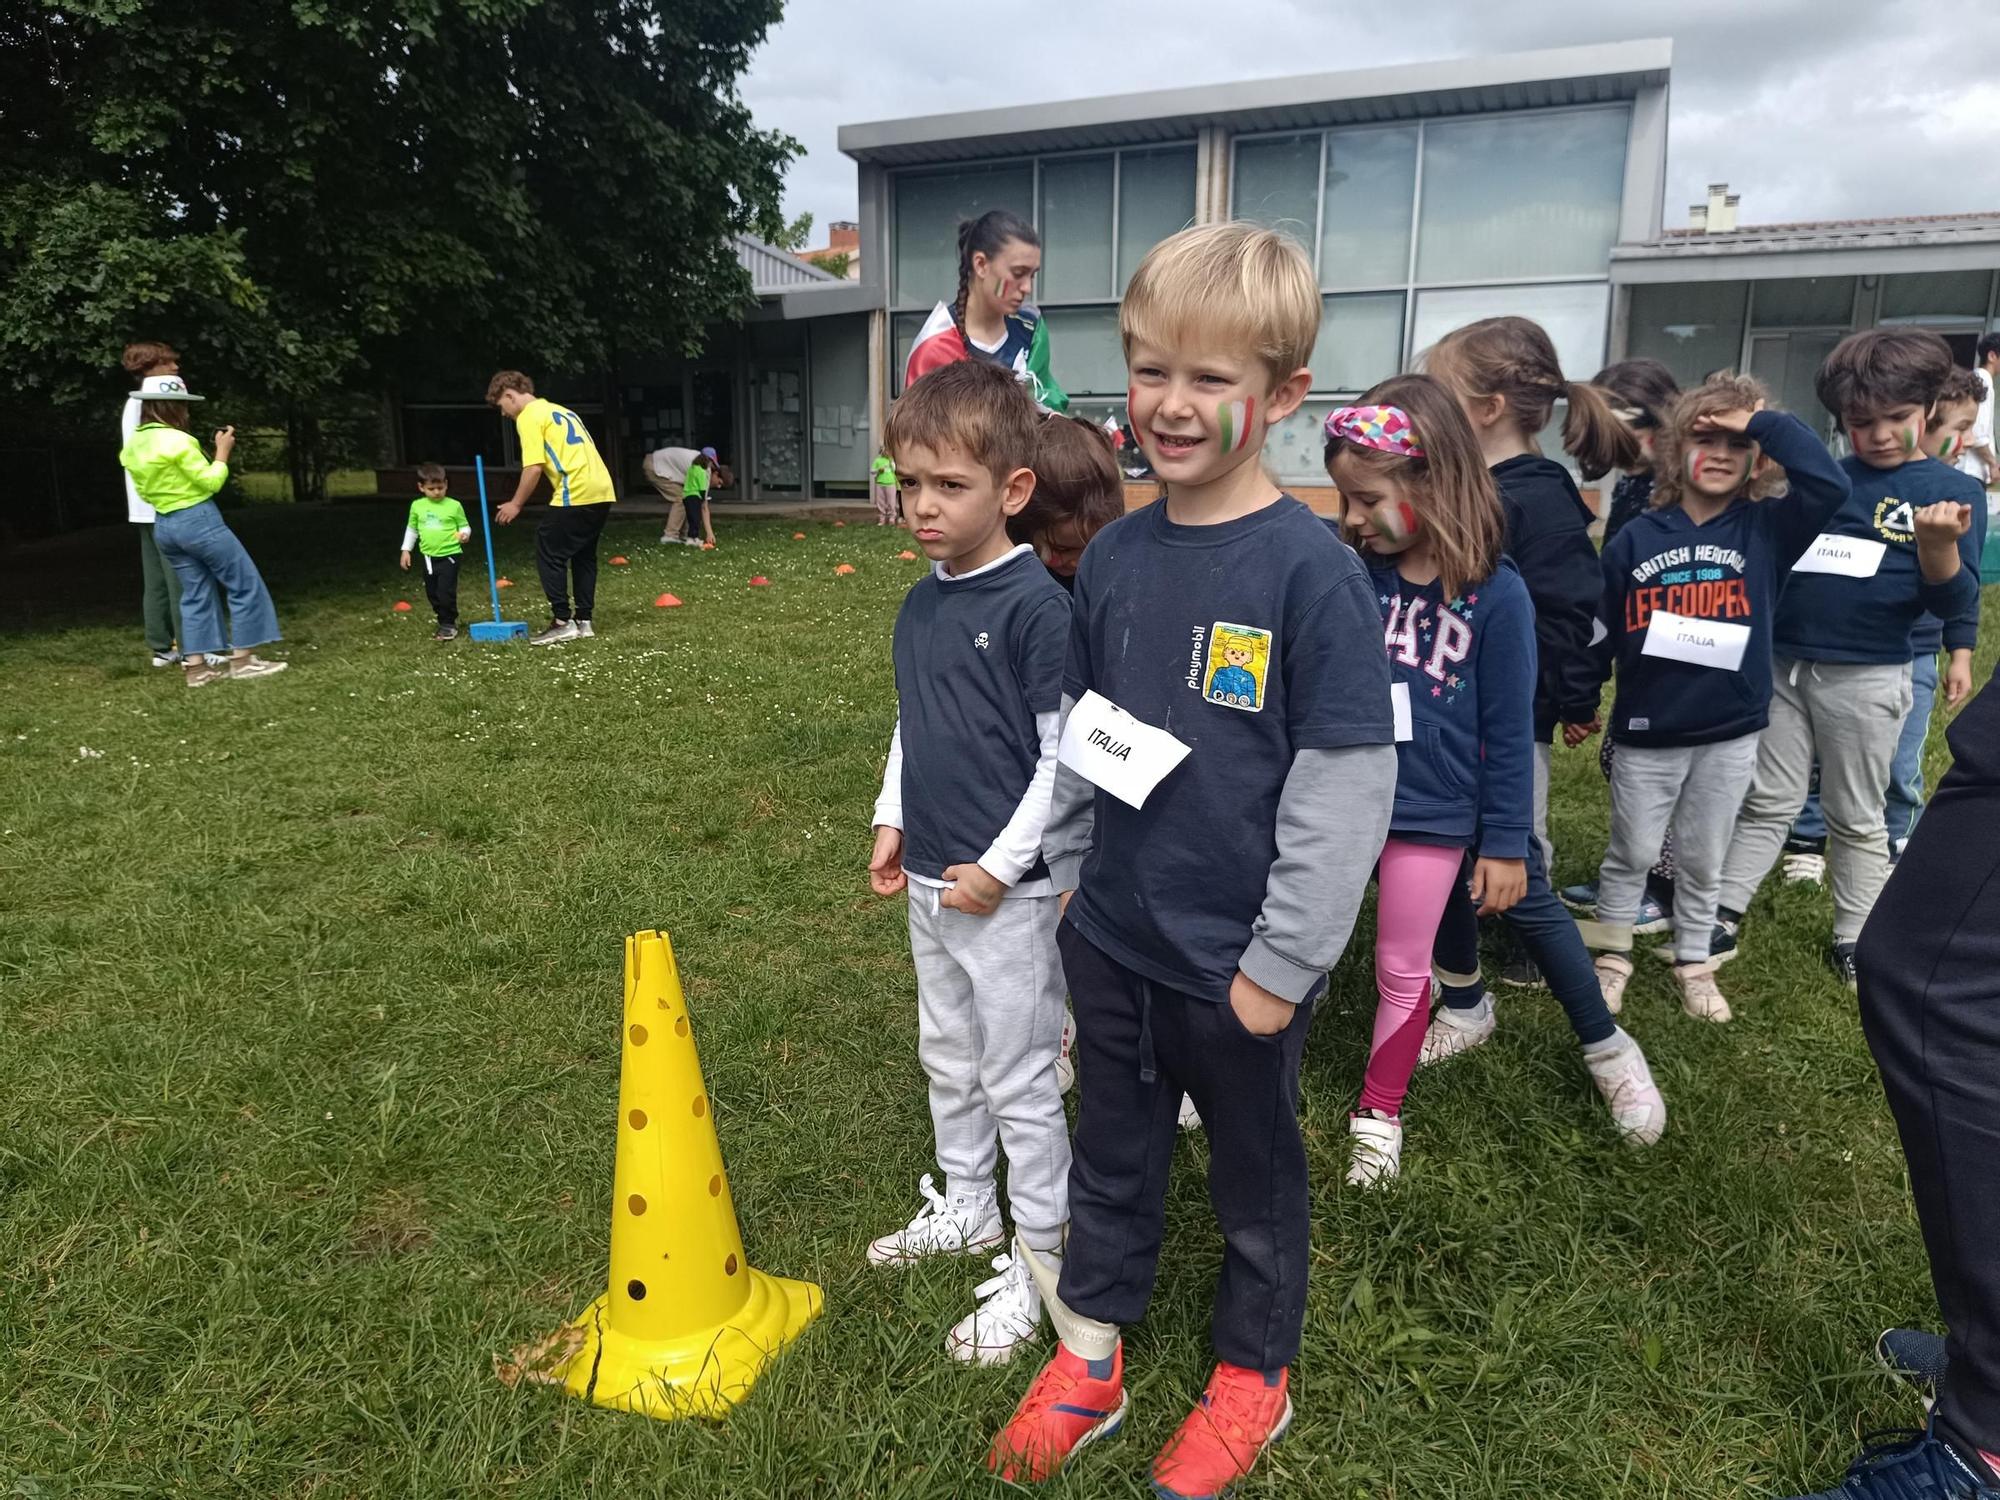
1399, 709
1849, 556
1109, 748
1703, 643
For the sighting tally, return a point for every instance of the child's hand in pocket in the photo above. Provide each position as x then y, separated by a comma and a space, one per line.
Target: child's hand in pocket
1261, 1012
972, 890
1498, 884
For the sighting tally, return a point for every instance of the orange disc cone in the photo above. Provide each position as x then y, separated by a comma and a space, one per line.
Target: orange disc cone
798, 536
844, 569
666, 601
618, 562
760, 581
907, 556
687, 1325
402, 606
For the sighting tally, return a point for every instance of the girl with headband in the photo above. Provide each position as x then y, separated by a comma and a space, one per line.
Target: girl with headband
1460, 634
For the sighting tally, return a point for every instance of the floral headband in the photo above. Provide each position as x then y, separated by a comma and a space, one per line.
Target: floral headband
1386, 429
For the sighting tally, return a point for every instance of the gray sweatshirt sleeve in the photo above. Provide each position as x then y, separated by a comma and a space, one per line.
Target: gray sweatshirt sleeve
1072, 820
1333, 817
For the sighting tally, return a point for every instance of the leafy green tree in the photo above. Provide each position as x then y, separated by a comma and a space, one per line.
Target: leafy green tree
315, 196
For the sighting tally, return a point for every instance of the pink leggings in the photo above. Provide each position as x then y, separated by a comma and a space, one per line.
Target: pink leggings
1412, 884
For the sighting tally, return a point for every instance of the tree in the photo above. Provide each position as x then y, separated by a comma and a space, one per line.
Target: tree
309, 196
833, 262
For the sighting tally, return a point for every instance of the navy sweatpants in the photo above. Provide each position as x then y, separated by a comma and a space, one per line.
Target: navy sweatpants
1139, 1046
1929, 962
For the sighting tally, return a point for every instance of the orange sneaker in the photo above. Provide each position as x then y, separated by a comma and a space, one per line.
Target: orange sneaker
1064, 1409
1238, 1417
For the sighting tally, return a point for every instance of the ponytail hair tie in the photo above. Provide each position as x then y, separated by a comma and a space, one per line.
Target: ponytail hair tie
1386, 429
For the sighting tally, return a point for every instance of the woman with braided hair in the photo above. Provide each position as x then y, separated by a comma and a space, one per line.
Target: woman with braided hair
999, 255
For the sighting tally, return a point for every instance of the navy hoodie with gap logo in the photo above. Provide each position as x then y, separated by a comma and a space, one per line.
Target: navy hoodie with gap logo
1468, 767
1548, 537
1729, 569
1833, 618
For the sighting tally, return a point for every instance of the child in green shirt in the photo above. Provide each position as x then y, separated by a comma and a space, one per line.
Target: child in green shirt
437, 526
694, 496
888, 497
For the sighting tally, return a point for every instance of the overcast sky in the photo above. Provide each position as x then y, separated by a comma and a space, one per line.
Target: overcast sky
1809, 108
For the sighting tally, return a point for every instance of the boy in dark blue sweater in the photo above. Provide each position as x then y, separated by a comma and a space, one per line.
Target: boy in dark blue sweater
1690, 589
1902, 544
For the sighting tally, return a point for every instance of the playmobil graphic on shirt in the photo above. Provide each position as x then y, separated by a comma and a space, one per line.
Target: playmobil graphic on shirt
1238, 662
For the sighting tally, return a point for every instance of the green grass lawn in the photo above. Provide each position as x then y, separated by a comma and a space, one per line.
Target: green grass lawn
309, 1053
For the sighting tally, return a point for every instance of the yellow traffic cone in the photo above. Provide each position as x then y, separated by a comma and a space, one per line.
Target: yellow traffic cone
686, 1325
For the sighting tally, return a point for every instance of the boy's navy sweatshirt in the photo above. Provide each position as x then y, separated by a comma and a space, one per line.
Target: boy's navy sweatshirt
1548, 536
1729, 568
1834, 618
1469, 668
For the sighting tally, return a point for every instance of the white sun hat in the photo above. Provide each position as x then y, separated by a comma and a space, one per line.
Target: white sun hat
164, 388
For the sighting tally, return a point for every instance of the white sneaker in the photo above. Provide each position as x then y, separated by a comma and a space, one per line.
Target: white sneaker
1066, 1052
1700, 996
245, 667
166, 658
1614, 972
560, 630
967, 1225
1009, 1315
692, 541
1378, 1150
1805, 868
1190, 1116
1626, 1082
583, 630
1454, 1031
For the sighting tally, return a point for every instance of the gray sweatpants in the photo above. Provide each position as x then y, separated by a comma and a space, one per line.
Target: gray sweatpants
1544, 768
989, 1025
1850, 716
1696, 788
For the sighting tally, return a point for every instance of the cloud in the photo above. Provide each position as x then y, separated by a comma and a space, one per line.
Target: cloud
1808, 108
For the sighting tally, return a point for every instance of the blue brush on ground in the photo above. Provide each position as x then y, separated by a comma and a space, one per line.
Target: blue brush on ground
495, 629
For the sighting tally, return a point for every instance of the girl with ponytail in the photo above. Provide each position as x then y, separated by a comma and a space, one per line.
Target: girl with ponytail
990, 317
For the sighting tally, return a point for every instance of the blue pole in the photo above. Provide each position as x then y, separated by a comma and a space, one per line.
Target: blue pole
486, 524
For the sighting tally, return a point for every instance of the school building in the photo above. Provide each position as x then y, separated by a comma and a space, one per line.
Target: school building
1428, 195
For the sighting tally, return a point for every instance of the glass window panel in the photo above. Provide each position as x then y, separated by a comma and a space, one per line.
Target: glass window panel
1295, 450
1371, 178
1693, 328
1155, 199
840, 390
1085, 353
1789, 364
1574, 317
1804, 301
1527, 195
1937, 297
903, 331
1076, 229
1277, 183
928, 208
1360, 341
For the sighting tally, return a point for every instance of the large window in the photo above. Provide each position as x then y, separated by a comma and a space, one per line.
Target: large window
1523, 195
1417, 229
929, 206
1693, 328
1097, 214
1938, 299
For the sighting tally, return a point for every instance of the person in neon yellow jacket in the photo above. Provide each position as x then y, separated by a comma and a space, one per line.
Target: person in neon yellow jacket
174, 476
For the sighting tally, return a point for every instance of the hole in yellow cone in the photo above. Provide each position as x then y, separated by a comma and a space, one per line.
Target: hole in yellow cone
715, 1186
729, 1266
636, 1290
638, 1034
700, 1107
638, 1119
636, 1203
681, 1026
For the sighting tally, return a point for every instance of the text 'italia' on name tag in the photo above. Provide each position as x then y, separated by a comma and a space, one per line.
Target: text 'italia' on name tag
1109, 748
1849, 556
1704, 643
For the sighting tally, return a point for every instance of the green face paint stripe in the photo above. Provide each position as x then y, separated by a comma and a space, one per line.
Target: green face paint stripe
1910, 439
1225, 416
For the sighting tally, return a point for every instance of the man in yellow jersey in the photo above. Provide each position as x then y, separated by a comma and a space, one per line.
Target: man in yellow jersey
554, 442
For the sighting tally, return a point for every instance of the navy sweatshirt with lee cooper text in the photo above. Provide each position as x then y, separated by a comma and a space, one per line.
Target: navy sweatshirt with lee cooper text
1468, 768
1834, 618
1548, 537
1728, 569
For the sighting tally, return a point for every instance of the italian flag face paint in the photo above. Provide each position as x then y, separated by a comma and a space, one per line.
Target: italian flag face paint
1396, 521
1233, 420
1950, 448
1910, 437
